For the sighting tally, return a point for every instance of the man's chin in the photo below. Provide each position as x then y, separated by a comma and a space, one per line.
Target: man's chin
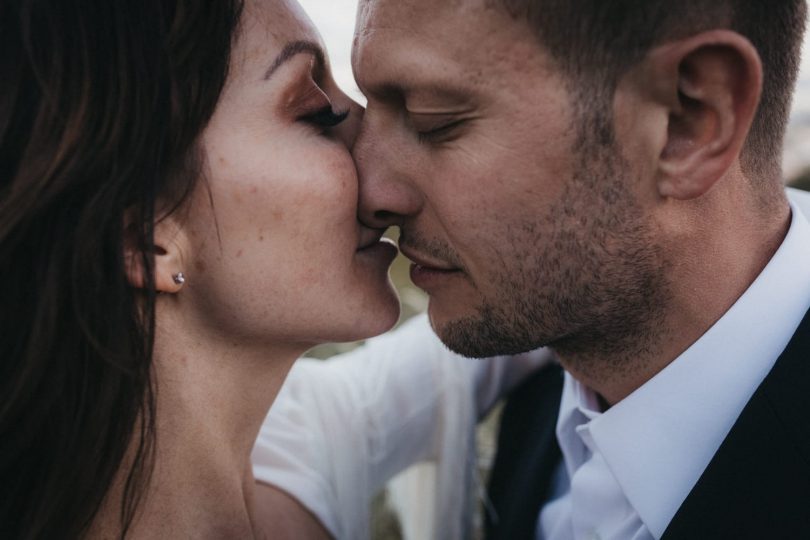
481, 335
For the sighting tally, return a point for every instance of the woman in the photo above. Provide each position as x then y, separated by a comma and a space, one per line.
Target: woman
177, 226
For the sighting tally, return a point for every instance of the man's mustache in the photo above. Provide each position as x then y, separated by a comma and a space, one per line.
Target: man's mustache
433, 249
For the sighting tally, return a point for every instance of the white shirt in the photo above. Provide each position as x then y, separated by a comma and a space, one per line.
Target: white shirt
626, 471
340, 429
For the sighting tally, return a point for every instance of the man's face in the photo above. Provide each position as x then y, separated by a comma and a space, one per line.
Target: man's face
524, 232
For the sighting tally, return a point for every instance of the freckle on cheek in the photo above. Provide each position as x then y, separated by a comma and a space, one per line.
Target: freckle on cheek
239, 253
310, 277
278, 215
199, 266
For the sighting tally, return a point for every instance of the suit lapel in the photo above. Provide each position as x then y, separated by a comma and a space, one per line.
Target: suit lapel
758, 483
526, 458
756, 486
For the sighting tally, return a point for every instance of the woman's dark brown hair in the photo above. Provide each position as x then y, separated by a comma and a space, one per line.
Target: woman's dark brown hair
101, 102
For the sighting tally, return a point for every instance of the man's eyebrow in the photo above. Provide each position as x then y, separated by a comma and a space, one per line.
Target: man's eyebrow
294, 48
436, 89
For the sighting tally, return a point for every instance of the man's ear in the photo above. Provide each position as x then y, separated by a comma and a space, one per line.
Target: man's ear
168, 255
710, 86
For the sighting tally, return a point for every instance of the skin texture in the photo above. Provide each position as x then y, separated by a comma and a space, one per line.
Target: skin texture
548, 241
529, 226
270, 246
274, 259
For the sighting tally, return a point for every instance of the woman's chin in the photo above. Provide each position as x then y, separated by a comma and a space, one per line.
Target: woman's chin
370, 314
380, 314
373, 306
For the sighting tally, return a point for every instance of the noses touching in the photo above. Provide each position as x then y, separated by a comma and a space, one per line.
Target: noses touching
393, 193
388, 195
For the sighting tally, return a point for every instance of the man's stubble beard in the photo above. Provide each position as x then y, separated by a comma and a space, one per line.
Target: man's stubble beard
588, 280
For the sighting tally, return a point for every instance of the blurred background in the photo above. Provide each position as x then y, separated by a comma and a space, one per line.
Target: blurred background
335, 19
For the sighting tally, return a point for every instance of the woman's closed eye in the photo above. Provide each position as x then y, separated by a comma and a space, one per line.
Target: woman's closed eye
325, 117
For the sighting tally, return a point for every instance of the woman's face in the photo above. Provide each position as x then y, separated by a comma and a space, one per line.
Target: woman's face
275, 252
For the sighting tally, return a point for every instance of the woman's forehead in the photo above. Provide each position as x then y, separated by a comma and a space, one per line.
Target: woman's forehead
275, 23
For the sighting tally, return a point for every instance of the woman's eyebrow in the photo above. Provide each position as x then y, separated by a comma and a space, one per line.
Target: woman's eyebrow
294, 48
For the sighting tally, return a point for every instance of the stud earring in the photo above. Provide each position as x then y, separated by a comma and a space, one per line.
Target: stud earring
179, 278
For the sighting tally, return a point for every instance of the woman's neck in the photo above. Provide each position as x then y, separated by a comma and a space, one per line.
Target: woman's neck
211, 400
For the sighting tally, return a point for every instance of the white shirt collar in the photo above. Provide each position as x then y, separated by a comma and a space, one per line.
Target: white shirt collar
658, 441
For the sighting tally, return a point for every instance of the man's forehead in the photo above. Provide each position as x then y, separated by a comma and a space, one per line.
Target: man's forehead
430, 32
375, 13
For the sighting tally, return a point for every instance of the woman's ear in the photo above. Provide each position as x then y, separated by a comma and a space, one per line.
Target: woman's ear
168, 255
710, 85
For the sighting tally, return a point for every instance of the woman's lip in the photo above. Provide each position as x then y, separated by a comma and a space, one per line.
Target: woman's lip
376, 244
384, 251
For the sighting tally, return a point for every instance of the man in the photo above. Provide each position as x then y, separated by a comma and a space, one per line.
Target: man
604, 178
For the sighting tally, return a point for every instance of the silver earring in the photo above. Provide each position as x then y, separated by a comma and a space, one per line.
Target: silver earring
179, 278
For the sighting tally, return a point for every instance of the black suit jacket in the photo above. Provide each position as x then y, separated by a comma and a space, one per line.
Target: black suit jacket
757, 486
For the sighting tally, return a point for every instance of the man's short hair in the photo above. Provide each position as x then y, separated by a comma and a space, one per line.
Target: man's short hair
596, 41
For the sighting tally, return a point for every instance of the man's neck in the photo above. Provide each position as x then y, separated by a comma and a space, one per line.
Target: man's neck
714, 263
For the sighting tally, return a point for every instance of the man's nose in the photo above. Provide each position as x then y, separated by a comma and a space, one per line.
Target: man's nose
388, 194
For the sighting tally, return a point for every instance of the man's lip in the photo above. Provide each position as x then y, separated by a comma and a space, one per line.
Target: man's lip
424, 262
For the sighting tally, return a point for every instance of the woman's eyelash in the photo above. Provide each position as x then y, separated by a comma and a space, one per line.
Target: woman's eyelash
326, 117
